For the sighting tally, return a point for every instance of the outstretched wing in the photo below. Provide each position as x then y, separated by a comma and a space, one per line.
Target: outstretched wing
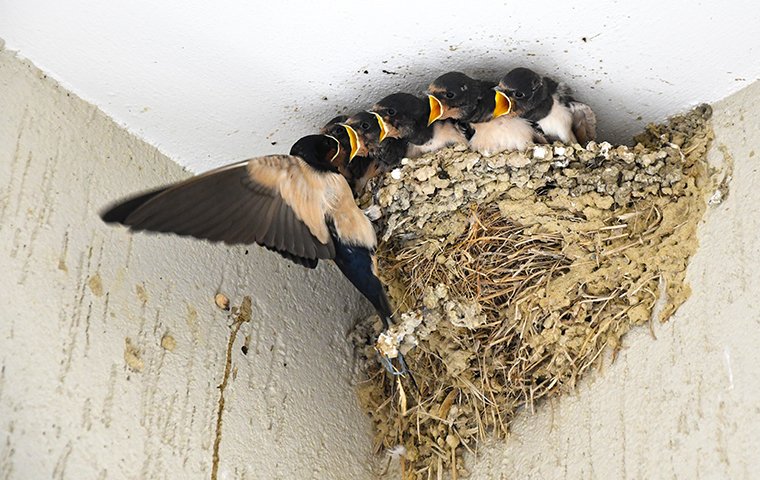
241, 203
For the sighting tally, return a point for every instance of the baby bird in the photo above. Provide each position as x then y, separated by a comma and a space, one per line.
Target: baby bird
471, 103
405, 117
297, 205
352, 169
548, 103
367, 137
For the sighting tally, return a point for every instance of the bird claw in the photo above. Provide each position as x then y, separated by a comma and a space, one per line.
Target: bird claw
386, 362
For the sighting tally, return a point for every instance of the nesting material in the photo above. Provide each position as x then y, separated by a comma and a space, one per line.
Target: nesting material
516, 272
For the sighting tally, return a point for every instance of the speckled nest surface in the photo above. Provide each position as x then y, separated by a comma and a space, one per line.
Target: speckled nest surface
513, 274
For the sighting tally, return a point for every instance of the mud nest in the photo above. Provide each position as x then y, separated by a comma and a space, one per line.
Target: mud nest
516, 272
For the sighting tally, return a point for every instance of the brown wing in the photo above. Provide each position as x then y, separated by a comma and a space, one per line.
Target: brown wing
584, 122
229, 205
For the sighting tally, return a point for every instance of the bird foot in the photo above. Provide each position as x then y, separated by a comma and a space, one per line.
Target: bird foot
387, 362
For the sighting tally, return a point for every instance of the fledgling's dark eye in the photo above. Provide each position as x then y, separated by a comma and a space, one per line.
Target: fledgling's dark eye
519, 95
364, 126
449, 94
391, 112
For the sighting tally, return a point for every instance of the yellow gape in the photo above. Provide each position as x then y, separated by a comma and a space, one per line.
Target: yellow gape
383, 128
503, 105
353, 139
436, 109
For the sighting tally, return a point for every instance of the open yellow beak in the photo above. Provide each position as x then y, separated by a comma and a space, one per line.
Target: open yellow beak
353, 139
381, 122
436, 109
337, 151
503, 105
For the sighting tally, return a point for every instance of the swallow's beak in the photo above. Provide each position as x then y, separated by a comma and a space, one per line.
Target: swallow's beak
503, 105
383, 128
436, 109
353, 139
337, 150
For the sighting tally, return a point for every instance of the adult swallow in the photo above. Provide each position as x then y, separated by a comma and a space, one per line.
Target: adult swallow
548, 103
367, 136
353, 169
405, 116
471, 103
297, 205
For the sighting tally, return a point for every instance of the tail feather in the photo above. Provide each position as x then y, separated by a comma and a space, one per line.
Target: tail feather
584, 118
357, 264
584, 122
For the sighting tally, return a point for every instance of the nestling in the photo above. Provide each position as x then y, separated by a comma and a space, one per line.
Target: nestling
405, 117
548, 103
471, 103
368, 139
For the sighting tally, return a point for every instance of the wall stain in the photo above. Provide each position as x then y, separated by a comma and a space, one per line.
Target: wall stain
45, 206
109, 397
11, 178
133, 356
189, 408
72, 318
22, 184
192, 323
15, 243
59, 472
243, 315
141, 293
152, 412
7, 453
96, 285
128, 257
106, 305
87, 415
48, 190
64, 252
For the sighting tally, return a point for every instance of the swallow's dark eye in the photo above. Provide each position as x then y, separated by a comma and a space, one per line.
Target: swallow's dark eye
364, 126
449, 94
391, 112
519, 95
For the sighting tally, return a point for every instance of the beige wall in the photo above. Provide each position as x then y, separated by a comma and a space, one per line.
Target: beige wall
687, 405
73, 290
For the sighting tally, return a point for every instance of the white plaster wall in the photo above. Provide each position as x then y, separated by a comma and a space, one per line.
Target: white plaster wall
686, 405
73, 290
210, 82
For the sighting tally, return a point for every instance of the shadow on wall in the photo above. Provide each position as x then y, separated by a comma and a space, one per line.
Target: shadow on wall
620, 115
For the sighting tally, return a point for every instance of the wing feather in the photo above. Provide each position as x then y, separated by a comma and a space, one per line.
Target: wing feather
241, 203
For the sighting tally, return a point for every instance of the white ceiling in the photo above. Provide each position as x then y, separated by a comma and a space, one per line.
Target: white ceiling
212, 82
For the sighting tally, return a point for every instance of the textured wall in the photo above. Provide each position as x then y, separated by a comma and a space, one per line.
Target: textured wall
74, 291
207, 82
86, 388
687, 405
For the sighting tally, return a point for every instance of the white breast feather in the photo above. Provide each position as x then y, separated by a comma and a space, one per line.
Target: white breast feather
351, 224
500, 134
444, 135
559, 123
